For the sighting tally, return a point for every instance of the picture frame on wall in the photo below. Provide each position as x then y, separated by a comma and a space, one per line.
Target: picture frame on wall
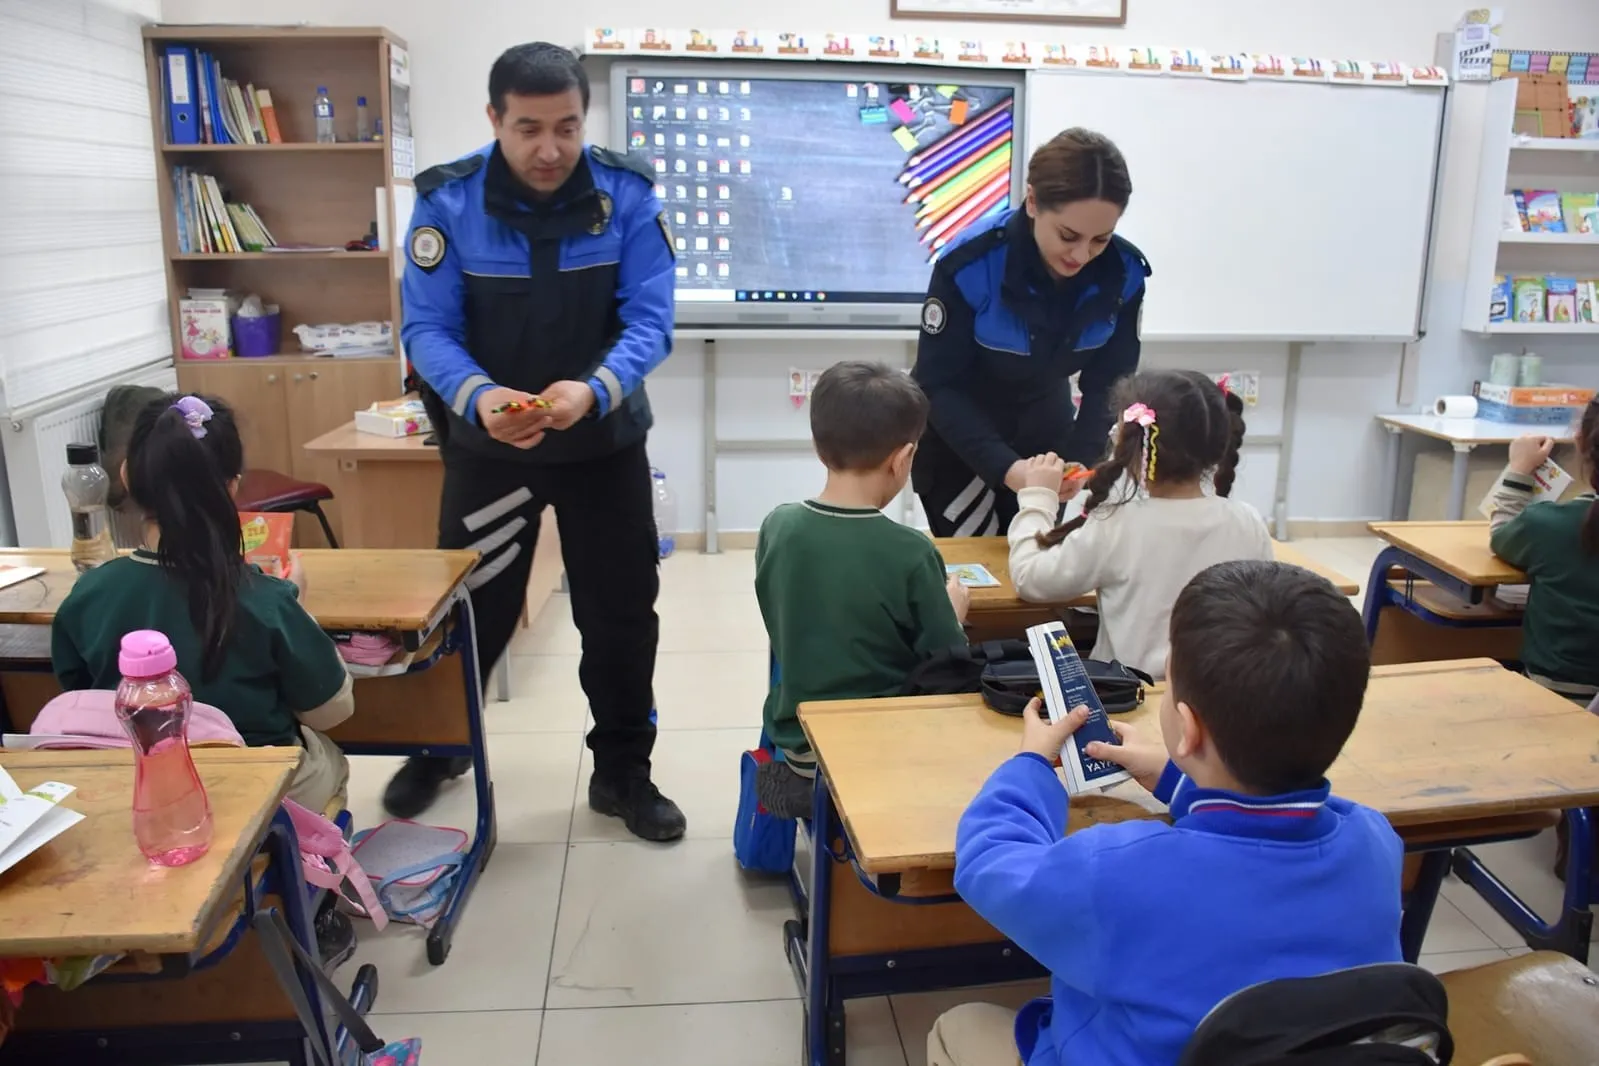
1092, 12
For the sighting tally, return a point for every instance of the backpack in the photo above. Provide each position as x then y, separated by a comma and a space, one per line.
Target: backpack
763, 843
1004, 672
87, 718
412, 867
1389, 1014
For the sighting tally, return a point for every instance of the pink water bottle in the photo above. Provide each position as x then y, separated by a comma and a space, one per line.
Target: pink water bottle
171, 814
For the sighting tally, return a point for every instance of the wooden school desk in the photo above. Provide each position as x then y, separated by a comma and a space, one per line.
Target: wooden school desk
1451, 753
998, 612
1438, 608
435, 707
90, 892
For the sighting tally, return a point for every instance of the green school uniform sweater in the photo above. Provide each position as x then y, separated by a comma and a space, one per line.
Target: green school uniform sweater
852, 601
1560, 631
278, 662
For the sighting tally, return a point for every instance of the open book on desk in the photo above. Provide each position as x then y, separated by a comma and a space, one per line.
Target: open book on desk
1066, 685
30, 820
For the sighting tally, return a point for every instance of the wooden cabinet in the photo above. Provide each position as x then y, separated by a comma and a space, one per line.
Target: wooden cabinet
282, 403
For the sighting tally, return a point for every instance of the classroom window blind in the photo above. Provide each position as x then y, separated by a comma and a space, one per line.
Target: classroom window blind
82, 279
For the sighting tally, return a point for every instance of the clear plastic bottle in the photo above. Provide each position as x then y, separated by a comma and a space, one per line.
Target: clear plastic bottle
86, 486
324, 116
665, 513
363, 124
171, 812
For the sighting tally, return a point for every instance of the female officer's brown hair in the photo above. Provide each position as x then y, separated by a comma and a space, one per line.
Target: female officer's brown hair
1078, 164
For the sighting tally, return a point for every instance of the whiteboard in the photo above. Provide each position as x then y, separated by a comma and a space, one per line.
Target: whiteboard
1267, 210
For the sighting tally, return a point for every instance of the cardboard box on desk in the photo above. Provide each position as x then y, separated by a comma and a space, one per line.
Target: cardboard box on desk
1528, 405
394, 418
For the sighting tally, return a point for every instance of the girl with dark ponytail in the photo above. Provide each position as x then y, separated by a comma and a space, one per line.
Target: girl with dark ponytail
243, 641
1148, 524
1557, 544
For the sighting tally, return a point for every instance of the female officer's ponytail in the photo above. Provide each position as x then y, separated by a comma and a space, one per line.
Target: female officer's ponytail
182, 458
1193, 427
1078, 164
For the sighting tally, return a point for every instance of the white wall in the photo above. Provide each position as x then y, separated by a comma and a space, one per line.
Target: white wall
1338, 453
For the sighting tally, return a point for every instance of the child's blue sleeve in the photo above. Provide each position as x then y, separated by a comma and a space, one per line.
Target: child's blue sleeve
1017, 868
645, 294
434, 332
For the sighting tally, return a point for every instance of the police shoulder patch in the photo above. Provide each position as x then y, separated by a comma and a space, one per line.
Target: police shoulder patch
623, 161
427, 247
933, 316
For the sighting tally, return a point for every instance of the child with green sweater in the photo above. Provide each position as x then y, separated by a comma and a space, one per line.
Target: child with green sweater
852, 600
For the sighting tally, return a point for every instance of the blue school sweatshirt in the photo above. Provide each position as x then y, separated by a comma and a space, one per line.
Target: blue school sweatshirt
1144, 927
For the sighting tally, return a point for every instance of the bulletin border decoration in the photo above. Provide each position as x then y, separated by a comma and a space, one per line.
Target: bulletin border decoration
1024, 54
1579, 68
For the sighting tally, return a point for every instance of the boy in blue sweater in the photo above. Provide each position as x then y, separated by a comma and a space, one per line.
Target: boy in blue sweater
1261, 874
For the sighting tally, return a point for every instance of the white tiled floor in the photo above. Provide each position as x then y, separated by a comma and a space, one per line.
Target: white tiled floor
585, 946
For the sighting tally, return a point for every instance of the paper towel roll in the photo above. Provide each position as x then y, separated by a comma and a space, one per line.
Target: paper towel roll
1455, 407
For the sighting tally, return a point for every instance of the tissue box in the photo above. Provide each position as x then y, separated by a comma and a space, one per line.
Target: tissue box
394, 418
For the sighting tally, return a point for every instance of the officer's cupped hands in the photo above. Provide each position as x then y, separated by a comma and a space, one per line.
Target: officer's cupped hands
569, 402
511, 417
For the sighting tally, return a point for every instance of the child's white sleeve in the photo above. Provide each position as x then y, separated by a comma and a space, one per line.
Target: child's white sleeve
334, 711
1072, 568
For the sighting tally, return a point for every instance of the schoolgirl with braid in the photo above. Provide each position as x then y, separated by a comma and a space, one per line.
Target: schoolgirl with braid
1157, 513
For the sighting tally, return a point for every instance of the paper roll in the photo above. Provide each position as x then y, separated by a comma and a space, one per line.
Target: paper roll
1455, 407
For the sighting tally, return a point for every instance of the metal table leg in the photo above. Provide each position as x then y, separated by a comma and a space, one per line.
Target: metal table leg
1457, 482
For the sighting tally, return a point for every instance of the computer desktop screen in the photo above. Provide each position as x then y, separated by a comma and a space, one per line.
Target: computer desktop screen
817, 186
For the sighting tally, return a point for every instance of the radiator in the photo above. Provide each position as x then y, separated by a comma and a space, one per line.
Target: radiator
35, 447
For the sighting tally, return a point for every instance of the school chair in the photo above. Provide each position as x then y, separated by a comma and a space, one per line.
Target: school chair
275, 493
1541, 1009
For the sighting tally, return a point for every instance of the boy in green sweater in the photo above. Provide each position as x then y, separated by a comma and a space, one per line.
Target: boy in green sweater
852, 599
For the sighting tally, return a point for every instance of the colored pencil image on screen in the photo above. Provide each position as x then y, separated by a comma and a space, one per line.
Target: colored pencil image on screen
963, 177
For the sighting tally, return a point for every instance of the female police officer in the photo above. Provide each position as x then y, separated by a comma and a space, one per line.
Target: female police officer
1011, 313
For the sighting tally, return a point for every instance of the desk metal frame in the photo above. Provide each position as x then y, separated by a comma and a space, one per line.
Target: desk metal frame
826, 982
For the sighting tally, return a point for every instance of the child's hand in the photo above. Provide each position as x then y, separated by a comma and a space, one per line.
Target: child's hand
1043, 737
960, 597
1528, 452
296, 573
1044, 472
1145, 760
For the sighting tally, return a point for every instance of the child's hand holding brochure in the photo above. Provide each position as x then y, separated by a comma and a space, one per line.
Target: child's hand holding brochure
1066, 686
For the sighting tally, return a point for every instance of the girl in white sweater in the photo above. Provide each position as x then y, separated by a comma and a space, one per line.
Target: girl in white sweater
1148, 525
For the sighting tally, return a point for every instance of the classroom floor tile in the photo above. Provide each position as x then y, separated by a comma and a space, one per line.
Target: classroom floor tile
759, 1033
697, 768
711, 690
481, 1038
914, 1015
545, 697
645, 924
501, 951
1451, 931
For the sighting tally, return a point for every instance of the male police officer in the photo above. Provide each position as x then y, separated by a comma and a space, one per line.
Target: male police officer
538, 296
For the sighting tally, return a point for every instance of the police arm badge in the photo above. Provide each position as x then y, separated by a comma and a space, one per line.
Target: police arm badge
427, 247
933, 316
666, 231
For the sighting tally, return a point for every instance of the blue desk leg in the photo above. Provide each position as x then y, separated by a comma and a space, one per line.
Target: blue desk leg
484, 838
1378, 594
824, 1008
1570, 932
1423, 898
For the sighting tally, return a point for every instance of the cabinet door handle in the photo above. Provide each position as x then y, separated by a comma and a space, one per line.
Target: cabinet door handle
313, 375
299, 377
272, 379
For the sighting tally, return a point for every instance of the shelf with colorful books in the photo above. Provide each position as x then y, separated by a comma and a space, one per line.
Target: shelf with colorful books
1570, 329
1518, 237
288, 146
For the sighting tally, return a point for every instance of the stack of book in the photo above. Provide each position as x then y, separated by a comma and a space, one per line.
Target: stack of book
1531, 405
209, 223
231, 113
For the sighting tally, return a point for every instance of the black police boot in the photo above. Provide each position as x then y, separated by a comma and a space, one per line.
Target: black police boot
646, 813
414, 788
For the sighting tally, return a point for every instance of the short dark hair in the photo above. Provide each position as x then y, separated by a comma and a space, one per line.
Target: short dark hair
1274, 661
536, 69
1078, 164
861, 413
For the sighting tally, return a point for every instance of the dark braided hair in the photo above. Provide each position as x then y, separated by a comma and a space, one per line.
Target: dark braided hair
1588, 448
1201, 429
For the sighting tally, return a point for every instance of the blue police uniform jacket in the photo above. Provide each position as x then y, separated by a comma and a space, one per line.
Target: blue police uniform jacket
1000, 339
503, 288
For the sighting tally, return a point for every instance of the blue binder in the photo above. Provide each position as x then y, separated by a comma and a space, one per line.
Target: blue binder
219, 128
183, 95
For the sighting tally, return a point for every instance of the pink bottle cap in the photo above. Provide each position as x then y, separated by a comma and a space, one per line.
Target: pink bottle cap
146, 653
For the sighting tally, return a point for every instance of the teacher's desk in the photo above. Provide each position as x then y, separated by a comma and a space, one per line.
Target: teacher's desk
1451, 753
433, 707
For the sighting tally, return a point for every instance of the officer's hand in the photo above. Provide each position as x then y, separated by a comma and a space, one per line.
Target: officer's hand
569, 401
520, 429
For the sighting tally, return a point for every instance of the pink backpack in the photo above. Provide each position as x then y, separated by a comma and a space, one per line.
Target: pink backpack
88, 719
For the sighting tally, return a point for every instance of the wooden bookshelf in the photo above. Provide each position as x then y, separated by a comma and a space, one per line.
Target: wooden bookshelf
305, 193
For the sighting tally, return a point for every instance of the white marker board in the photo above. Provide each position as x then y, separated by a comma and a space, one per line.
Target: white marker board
1267, 210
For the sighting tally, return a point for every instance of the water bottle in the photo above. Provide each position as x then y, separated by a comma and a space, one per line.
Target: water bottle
86, 486
171, 813
363, 125
665, 514
324, 116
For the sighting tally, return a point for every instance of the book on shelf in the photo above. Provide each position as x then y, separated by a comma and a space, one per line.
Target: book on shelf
210, 222
269, 116
232, 112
